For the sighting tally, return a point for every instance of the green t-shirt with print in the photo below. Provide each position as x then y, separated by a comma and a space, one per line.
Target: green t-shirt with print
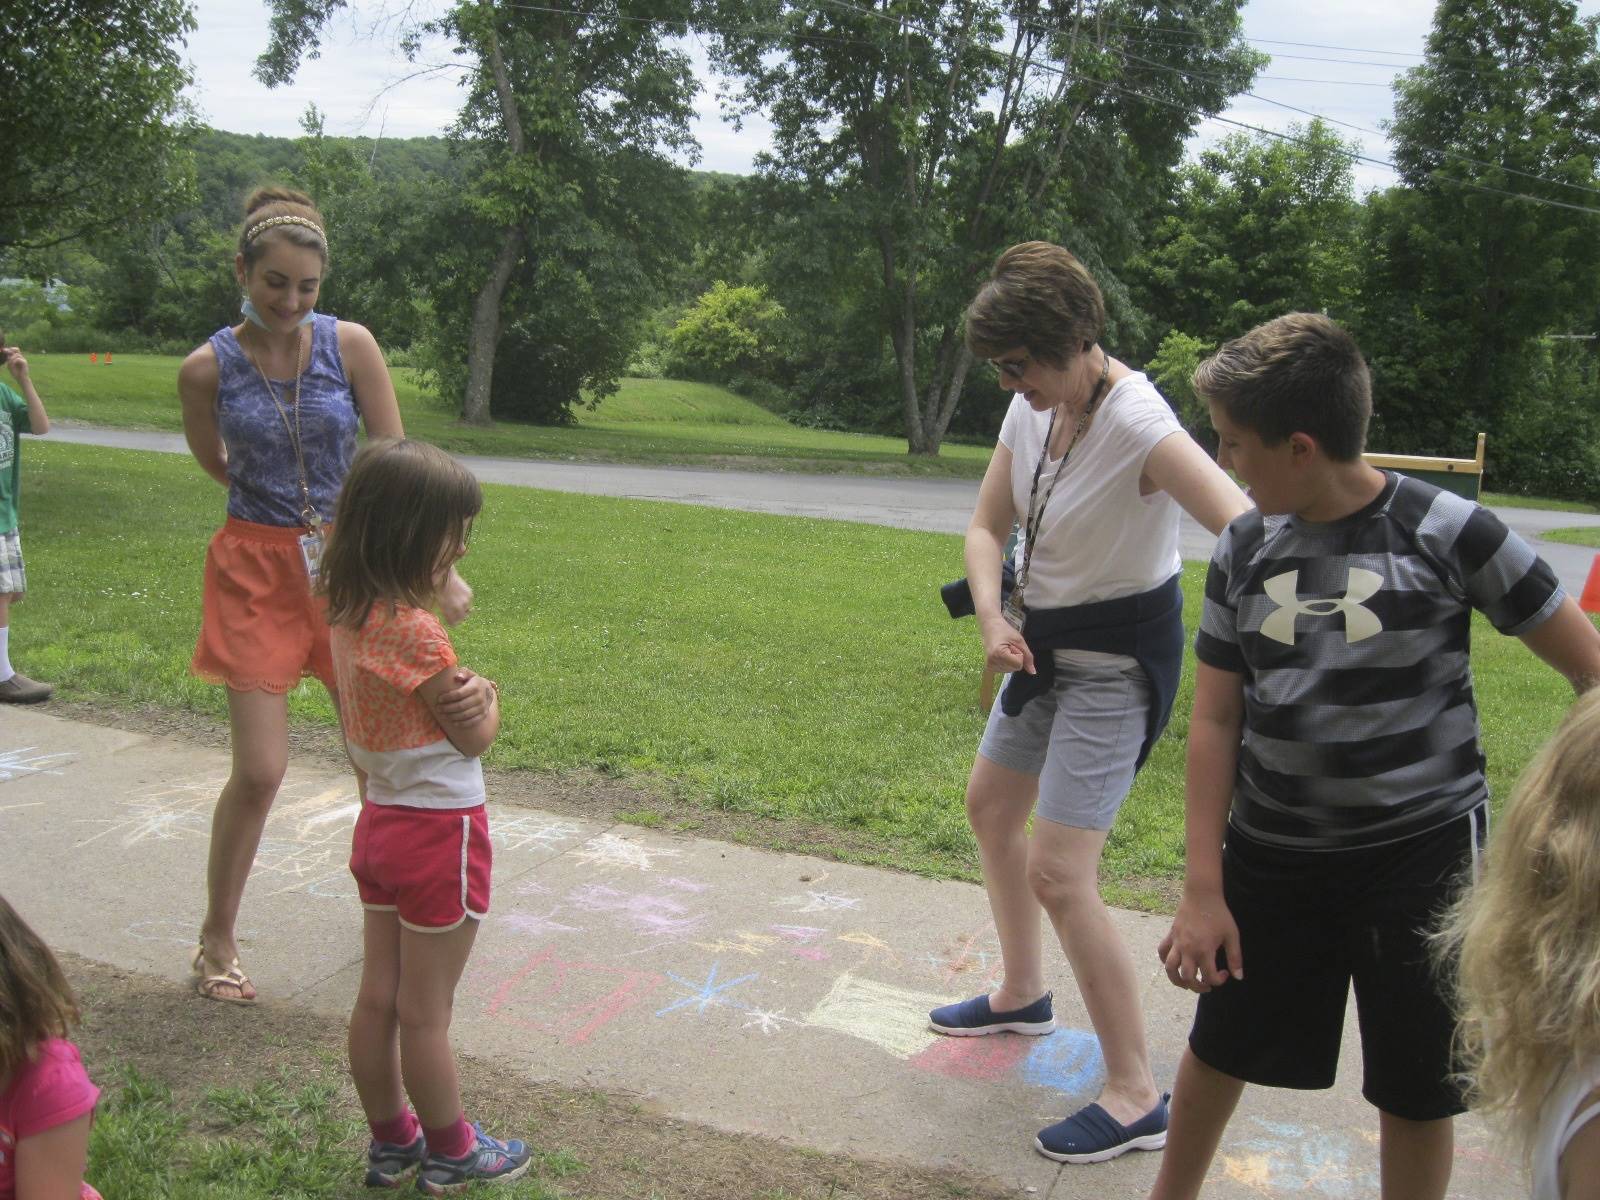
13, 420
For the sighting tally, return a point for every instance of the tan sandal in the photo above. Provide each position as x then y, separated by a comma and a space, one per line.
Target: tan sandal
211, 987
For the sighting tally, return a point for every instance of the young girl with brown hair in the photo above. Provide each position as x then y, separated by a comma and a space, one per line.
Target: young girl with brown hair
421, 854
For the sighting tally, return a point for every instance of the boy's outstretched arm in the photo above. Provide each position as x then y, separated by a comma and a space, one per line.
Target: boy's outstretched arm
1203, 924
1570, 643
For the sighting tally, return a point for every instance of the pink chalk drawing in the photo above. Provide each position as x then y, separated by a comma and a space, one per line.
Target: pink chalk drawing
686, 885
573, 1000
537, 926
654, 916
813, 953
989, 1059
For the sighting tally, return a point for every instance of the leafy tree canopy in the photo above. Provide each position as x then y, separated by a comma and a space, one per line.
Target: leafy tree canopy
94, 116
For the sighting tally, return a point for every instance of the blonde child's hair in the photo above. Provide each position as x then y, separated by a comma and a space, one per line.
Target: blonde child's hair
36, 1001
404, 506
1528, 935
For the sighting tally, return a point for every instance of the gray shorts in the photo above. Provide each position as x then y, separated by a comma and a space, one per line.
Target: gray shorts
12, 577
1081, 739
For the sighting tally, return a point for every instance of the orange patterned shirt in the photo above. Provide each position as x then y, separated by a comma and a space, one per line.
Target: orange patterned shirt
391, 733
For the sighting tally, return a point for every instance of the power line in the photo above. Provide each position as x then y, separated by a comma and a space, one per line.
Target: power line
1306, 112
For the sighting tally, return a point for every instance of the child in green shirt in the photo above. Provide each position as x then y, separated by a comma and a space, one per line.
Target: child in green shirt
22, 413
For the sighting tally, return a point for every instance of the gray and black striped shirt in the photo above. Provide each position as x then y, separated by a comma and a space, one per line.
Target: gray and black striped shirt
1360, 725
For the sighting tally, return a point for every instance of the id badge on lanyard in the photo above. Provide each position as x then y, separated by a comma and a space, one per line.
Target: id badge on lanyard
1013, 611
312, 544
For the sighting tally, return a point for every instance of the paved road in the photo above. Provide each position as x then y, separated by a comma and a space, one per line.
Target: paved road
935, 505
764, 993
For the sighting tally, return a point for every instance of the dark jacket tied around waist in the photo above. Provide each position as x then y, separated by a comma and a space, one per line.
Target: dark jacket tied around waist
1147, 627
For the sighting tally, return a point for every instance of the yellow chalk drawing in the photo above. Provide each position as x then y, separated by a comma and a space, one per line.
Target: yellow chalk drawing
891, 1018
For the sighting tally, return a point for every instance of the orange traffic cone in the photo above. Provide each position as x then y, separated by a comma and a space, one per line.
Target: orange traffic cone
93, 357
1591, 590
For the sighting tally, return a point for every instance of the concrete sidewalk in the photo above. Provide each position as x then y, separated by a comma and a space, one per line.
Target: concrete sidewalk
758, 992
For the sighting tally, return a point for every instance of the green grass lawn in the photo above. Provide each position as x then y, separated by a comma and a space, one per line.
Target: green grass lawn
1578, 535
793, 669
649, 421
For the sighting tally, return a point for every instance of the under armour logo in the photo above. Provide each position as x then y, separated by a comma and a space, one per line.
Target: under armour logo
1359, 622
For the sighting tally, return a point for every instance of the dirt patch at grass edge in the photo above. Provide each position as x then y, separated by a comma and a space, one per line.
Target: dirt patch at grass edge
628, 1152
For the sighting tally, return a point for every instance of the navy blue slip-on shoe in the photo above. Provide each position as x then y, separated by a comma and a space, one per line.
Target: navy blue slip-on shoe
1092, 1135
972, 1018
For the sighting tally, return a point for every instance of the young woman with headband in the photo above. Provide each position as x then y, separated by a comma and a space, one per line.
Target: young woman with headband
270, 410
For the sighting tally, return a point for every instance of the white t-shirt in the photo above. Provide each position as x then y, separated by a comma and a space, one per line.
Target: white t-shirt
1099, 539
1558, 1121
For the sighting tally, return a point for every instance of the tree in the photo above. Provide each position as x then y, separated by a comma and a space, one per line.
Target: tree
94, 116
1258, 227
726, 331
1494, 242
931, 135
569, 205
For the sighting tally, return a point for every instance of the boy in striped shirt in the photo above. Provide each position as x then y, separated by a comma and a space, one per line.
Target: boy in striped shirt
1336, 796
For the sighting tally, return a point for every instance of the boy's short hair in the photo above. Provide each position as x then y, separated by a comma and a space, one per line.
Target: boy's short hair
1301, 373
1040, 298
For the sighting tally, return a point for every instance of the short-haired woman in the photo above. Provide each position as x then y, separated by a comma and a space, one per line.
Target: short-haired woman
1094, 468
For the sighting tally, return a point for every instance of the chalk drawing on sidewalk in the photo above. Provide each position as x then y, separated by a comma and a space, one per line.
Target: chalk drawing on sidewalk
27, 760
568, 999
892, 1018
706, 994
1067, 1060
818, 902
659, 917
538, 833
610, 850
164, 929
1283, 1159
873, 948
989, 1059
768, 1022
147, 820
751, 945
798, 933
979, 966
679, 884
537, 925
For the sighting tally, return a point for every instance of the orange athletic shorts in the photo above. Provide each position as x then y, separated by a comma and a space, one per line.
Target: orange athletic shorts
261, 629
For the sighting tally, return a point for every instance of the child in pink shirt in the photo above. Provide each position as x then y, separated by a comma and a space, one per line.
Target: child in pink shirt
46, 1099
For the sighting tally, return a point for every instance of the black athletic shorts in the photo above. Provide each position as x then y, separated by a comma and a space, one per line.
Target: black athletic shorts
1310, 924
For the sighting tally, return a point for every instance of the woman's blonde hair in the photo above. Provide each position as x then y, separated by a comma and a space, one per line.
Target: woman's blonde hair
404, 506
1525, 941
36, 1001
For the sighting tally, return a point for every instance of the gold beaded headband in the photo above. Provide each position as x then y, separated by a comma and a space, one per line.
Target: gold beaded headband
271, 222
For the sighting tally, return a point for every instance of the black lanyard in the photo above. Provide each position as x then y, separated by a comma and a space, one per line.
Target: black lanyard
1034, 520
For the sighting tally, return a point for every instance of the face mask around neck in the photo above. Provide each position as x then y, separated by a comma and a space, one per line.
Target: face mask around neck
254, 317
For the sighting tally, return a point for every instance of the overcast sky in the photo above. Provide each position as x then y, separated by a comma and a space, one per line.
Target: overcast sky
1335, 59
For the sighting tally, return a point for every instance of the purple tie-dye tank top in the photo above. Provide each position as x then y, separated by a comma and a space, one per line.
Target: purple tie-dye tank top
263, 476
